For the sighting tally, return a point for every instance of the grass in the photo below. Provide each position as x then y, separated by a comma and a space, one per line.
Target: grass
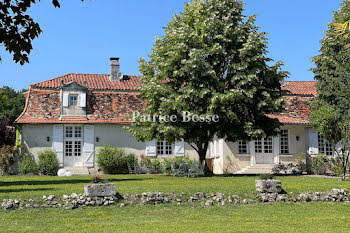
36, 186
281, 217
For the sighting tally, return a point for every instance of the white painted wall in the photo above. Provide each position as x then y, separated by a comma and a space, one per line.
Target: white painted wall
233, 161
35, 137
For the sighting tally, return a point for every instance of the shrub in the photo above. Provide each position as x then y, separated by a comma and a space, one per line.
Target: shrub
319, 164
7, 134
286, 168
48, 163
145, 161
113, 160
7, 158
28, 165
156, 164
266, 177
166, 164
336, 166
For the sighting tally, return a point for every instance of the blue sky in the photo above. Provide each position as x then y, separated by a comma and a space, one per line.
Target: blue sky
81, 37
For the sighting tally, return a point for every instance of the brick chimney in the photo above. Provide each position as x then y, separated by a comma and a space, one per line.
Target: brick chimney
115, 74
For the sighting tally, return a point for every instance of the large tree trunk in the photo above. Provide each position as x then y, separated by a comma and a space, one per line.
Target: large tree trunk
202, 152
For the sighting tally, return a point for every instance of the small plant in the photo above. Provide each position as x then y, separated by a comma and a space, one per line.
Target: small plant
336, 166
97, 179
266, 177
48, 163
320, 164
28, 165
7, 158
113, 160
166, 163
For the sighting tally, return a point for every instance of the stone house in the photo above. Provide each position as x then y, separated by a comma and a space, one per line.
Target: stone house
77, 114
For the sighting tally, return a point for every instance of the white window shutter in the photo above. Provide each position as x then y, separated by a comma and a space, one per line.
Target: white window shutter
89, 145
83, 100
151, 148
313, 142
65, 99
57, 142
179, 148
276, 149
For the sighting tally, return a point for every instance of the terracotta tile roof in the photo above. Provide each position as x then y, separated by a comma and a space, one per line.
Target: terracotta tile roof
306, 88
43, 106
113, 102
93, 82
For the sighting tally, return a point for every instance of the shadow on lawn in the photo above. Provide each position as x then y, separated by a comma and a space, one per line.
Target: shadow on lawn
70, 181
23, 190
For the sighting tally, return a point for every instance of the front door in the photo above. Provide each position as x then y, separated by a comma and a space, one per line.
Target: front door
264, 150
73, 142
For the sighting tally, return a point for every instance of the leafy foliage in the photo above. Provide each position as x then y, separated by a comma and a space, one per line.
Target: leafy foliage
28, 165
166, 163
48, 163
18, 29
7, 133
11, 103
211, 61
113, 160
319, 164
7, 158
341, 24
330, 110
266, 177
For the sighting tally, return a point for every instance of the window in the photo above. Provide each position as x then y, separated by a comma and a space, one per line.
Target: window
284, 141
324, 147
69, 131
73, 100
77, 148
268, 145
164, 148
73, 141
242, 147
258, 146
68, 148
77, 132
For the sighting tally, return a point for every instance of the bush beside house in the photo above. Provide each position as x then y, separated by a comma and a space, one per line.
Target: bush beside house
28, 165
114, 160
48, 163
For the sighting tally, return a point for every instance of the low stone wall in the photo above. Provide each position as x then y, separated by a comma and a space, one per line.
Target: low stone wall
156, 198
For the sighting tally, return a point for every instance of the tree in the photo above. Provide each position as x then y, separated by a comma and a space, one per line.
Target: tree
7, 134
341, 23
211, 61
330, 109
18, 29
11, 103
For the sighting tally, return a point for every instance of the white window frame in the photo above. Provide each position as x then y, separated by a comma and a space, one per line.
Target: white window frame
73, 102
73, 139
163, 150
288, 138
324, 147
239, 142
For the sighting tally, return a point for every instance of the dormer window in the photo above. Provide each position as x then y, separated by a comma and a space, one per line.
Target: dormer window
73, 100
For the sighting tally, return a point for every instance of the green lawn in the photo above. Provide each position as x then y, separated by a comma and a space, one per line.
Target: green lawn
306, 217
36, 186
282, 217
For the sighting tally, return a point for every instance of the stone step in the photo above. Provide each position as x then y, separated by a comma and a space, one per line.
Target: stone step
257, 169
78, 171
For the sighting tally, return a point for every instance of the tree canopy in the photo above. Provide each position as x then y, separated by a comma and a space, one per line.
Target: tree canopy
18, 29
331, 109
11, 104
211, 61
